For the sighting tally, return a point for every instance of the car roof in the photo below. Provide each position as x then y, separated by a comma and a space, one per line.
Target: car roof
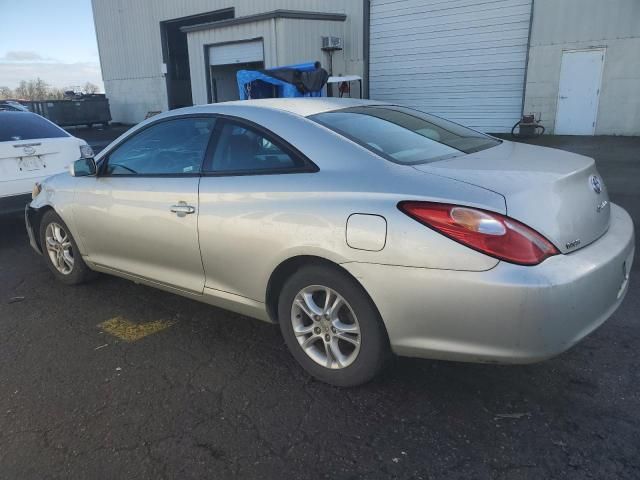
8, 113
304, 106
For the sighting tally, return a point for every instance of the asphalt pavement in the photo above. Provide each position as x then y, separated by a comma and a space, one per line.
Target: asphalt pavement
116, 380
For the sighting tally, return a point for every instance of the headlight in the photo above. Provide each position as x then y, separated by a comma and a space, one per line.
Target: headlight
86, 151
37, 188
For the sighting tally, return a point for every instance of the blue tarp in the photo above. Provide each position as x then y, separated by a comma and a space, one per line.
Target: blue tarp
255, 84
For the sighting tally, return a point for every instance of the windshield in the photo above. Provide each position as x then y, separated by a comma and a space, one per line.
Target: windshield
404, 135
27, 126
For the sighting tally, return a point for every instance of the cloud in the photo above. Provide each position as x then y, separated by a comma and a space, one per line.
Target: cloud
23, 56
56, 74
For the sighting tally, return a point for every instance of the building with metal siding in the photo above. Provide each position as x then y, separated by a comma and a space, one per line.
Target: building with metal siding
463, 59
573, 63
562, 29
137, 68
300, 35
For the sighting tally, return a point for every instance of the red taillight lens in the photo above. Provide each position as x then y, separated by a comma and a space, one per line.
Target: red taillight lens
488, 232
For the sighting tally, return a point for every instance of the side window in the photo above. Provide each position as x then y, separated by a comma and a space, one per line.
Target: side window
240, 148
170, 147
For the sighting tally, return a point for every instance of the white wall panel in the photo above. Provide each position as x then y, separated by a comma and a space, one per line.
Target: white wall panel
461, 59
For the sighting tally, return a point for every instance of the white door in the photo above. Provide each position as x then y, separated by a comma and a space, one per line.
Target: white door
580, 77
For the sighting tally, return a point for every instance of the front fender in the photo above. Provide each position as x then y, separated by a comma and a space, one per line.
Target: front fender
58, 194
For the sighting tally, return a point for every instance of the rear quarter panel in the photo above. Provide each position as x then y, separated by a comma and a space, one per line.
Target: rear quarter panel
250, 224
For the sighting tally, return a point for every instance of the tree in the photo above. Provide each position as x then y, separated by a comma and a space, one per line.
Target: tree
21, 90
55, 94
90, 88
36, 89
6, 92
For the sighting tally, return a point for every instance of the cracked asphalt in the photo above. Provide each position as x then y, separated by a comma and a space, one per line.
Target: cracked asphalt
217, 395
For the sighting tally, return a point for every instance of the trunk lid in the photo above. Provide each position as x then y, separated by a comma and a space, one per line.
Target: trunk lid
24, 161
559, 194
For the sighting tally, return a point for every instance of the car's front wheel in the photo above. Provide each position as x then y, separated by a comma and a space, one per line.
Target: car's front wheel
331, 326
60, 250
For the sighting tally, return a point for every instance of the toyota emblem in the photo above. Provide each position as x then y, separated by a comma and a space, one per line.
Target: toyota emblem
29, 150
596, 184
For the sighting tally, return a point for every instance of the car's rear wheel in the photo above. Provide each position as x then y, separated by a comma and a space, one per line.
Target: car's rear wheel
331, 326
61, 252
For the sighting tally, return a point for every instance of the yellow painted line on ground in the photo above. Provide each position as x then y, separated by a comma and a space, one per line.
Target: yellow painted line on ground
131, 332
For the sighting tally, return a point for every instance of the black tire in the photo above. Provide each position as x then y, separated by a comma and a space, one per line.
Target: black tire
374, 348
79, 272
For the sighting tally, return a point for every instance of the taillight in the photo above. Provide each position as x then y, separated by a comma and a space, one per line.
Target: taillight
487, 232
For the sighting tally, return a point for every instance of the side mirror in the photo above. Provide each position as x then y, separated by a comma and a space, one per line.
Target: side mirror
85, 167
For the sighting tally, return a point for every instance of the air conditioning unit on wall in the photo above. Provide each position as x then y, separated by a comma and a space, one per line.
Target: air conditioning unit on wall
331, 43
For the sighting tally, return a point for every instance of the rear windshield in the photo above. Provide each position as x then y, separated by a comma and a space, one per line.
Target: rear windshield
404, 135
27, 126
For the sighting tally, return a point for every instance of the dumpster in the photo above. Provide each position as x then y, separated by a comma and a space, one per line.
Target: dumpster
87, 110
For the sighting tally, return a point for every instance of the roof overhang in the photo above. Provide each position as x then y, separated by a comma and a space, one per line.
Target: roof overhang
294, 14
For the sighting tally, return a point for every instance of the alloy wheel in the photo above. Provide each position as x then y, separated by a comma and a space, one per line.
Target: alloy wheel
58, 244
326, 327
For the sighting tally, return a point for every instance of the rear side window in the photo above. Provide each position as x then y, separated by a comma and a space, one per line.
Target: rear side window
16, 126
243, 149
404, 135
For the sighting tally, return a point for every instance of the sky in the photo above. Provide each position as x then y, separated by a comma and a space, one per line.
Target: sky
51, 39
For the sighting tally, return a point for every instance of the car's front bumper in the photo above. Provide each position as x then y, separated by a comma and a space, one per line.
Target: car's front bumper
509, 314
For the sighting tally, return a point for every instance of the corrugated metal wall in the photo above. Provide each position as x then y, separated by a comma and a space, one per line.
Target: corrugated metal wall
582, 24
197, 39
461, 59
286, 41
299, 39
128, 33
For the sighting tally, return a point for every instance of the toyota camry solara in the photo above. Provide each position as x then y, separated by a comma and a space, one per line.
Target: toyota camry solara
361, 228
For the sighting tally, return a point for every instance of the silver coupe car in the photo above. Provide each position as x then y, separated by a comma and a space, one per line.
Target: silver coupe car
362, 228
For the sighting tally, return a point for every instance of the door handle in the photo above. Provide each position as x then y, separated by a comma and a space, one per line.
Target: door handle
562, 97
182, 209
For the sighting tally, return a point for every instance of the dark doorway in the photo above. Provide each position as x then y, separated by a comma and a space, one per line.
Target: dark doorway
224, 85
175, 54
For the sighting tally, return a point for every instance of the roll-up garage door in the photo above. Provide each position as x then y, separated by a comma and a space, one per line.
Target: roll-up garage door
464, 60
240, 52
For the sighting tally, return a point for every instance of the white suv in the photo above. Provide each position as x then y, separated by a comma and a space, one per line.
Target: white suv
31, 149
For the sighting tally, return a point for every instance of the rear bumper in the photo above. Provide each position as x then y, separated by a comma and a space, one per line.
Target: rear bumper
509, 314
14, 203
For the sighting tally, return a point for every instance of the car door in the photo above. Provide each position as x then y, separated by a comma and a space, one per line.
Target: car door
247, 205
139, 216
